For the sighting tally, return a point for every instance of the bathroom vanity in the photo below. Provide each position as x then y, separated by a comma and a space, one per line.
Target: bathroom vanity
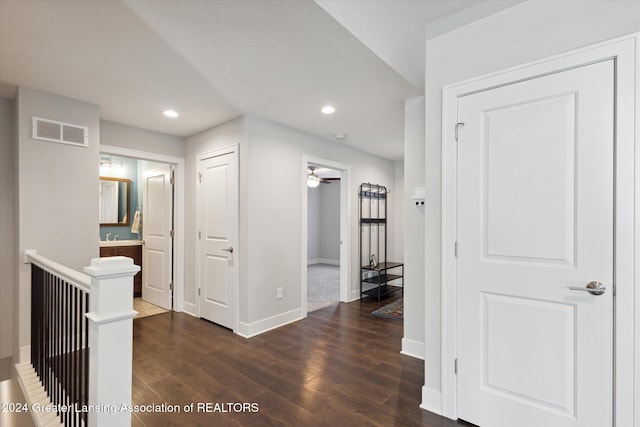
128, 248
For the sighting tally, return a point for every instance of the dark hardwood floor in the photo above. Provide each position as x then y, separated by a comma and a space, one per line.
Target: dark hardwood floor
339, 367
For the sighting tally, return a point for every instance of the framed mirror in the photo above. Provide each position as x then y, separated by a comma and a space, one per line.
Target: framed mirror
114, 201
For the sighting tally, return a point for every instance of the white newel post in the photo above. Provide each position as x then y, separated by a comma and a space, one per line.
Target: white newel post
110, 340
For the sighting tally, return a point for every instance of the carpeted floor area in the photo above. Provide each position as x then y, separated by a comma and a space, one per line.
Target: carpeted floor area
323, 286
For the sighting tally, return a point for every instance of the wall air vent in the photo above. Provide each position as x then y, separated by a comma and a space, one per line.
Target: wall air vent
65, 133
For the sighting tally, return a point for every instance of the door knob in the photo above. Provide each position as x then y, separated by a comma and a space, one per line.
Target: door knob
229, 249
594, 288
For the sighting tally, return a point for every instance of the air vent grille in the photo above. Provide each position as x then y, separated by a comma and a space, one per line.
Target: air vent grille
46, 130
65, 133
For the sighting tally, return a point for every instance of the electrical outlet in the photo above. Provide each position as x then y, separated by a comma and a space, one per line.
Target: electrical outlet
278, 293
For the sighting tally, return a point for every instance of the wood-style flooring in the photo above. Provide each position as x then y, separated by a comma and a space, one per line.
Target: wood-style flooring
341, 366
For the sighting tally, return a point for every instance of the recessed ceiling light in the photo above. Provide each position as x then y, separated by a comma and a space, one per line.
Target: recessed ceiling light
328, 109
170, 113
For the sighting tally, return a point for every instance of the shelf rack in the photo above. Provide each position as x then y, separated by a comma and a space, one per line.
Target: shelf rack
379, 278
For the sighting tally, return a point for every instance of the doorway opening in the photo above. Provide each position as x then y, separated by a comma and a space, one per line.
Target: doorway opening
325, 234
323, 237
152, 235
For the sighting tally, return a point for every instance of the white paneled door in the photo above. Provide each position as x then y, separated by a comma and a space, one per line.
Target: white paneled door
217, 236
157, 223
535, 227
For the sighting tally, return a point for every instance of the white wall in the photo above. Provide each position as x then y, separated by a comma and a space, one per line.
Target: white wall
313, 224
57, 191
7, 224
329, 211
119, 135
399, 207
414, 315
529, 31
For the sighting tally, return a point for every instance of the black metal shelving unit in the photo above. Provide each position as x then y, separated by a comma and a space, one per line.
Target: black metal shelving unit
376, 272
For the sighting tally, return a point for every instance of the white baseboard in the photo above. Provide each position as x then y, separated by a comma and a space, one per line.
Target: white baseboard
323, 261
248, 330
431, 400
354, 295
189, 308
190, 314
412, 348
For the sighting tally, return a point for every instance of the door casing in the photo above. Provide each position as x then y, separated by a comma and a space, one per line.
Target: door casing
625, 52
345, 227
178, 212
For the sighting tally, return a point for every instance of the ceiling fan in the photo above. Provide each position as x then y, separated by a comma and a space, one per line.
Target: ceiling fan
313, 180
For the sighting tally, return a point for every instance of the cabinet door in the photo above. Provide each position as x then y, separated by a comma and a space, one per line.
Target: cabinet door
133, 252
108, 251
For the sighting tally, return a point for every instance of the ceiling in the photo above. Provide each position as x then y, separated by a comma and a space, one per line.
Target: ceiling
213, 61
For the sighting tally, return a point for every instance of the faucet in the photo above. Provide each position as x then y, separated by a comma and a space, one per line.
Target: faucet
107, 238
115, 237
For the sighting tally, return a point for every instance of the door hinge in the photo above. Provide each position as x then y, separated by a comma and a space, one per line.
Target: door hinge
171, 286
455, 249
199, 177
171, 234
198, 291
455, 366
457, 128
172, 181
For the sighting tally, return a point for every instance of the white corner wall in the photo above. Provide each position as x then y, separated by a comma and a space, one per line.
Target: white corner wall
7, 224
414, 314
271, 213
57, 193
274, 209
224, 135
526, 32
400, 204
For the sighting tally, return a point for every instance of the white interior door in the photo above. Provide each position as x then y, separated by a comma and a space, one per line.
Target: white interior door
218, 236
157, 223
535, 203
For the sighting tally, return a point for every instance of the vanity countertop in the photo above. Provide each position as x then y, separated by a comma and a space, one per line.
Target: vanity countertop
104, 243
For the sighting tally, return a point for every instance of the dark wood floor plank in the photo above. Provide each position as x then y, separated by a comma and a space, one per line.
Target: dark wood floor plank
339, 366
